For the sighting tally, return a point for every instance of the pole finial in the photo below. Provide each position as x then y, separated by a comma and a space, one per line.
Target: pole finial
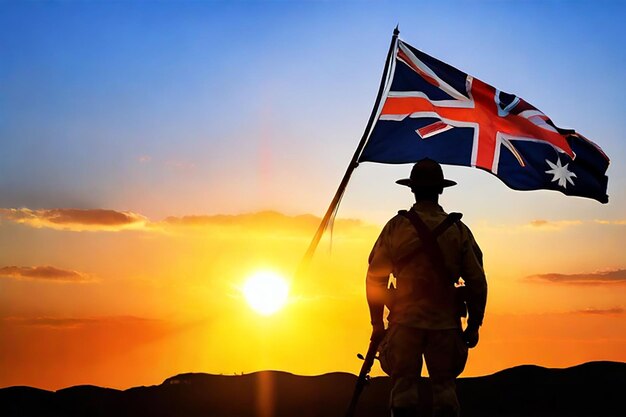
396, 31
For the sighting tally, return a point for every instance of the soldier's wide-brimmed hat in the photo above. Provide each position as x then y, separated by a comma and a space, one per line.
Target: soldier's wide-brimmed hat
426, 173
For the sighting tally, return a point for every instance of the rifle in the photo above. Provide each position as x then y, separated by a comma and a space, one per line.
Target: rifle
364, 376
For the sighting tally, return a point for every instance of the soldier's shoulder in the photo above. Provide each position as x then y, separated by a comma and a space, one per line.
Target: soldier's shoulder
396, 220
465, 230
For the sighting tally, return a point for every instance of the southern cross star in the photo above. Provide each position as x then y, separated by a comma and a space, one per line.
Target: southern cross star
561, 173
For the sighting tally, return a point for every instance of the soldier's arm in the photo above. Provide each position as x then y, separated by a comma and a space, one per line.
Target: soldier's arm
473, 274
380, 266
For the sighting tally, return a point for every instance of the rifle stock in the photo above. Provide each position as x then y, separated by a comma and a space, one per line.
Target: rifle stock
368, 362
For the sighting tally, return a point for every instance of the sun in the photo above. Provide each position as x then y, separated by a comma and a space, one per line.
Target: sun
266, 292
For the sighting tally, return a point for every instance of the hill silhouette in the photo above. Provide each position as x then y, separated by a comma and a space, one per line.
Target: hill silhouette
591, 389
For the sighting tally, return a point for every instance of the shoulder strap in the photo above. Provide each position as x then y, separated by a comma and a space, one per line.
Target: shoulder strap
444, 225
429, 241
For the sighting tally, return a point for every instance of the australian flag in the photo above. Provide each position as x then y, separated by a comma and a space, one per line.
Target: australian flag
430, 109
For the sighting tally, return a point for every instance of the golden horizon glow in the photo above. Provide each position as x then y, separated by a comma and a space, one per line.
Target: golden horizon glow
179, 294
266, 292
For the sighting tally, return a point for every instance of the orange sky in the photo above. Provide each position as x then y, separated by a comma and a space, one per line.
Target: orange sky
116, 299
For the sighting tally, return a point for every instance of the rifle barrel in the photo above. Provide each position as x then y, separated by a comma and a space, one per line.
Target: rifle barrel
361, 381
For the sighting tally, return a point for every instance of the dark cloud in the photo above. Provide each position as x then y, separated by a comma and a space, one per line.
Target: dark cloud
44, 273
601, 312
617, 276
75, 219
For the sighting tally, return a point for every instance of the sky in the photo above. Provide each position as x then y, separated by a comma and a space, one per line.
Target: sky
156, 154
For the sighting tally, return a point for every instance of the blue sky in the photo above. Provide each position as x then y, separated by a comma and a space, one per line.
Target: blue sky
170, 108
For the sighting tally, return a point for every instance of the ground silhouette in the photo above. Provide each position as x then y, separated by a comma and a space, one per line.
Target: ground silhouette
591, 389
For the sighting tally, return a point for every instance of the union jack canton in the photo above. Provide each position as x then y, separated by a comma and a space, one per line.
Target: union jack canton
432, 110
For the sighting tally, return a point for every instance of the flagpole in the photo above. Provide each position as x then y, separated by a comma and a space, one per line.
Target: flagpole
332, 208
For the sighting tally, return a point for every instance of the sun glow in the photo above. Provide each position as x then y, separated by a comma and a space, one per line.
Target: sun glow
266, 292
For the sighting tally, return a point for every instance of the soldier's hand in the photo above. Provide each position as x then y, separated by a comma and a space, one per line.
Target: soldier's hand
470, 336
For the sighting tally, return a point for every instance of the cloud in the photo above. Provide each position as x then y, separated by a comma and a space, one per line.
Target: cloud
260, 219
75, 219
270, 223
613, 277
263, 223
534, 226
601, 312
72, 323
44, 273
553, 225
144, 159
50, 322
180, 166
609, 222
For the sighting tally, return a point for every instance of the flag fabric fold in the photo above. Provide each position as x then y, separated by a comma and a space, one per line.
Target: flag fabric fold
433, 110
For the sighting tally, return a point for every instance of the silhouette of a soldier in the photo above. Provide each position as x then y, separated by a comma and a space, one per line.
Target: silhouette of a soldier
427, 251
